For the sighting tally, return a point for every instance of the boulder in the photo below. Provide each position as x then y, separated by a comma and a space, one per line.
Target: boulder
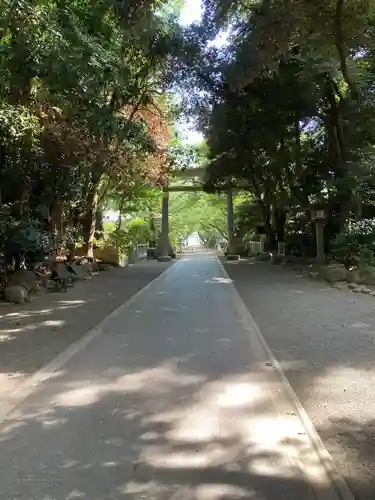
24, 278
353, 276
334, 273
17, 294
367, 275
80, 271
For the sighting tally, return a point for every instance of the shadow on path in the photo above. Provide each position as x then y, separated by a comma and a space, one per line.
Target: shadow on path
167, 404
324, 339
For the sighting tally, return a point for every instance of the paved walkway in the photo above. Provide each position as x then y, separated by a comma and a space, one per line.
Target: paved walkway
173, 397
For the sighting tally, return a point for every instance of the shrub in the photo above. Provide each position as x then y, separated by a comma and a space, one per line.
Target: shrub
136, 230
356, 243
24, 240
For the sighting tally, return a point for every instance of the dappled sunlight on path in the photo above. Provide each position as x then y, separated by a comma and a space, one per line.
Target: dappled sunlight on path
166, 405
324, 339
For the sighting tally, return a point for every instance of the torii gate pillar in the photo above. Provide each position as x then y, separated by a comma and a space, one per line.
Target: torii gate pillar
232, 255
164, 244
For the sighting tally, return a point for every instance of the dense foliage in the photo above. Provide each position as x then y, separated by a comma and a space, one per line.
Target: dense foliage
83, 107
356, 243
287, 106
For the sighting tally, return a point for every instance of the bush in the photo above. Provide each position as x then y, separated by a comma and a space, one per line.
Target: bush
357, 243
124, 239
24, 240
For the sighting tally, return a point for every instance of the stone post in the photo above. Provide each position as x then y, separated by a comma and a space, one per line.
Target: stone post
319, 231
164, 236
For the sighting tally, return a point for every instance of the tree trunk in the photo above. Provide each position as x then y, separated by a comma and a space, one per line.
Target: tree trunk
56, 227
279, 220
121, 208
90, 223
342, 50
266, 216
337, 140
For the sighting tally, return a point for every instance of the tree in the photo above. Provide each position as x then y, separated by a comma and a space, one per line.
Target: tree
197, 213
82, 103
291, 105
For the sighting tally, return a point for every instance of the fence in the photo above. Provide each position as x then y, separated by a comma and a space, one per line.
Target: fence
141, 251
256, 247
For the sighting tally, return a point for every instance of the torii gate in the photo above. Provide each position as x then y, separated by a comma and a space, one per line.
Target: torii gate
192, 173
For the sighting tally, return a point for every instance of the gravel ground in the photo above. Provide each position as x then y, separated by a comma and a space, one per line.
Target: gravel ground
324, 338
31, 335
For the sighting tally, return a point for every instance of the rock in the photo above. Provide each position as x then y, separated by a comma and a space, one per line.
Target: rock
79, 271
17, 294
352, 286
366, 291
357, 290
334, 273
367, 275
24, 278
353, 276
356, 260
372, 294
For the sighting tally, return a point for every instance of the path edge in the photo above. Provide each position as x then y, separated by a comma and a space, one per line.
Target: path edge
338, 482
30, 385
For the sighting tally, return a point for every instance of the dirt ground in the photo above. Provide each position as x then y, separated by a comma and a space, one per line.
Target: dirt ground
324, 339
31, 335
